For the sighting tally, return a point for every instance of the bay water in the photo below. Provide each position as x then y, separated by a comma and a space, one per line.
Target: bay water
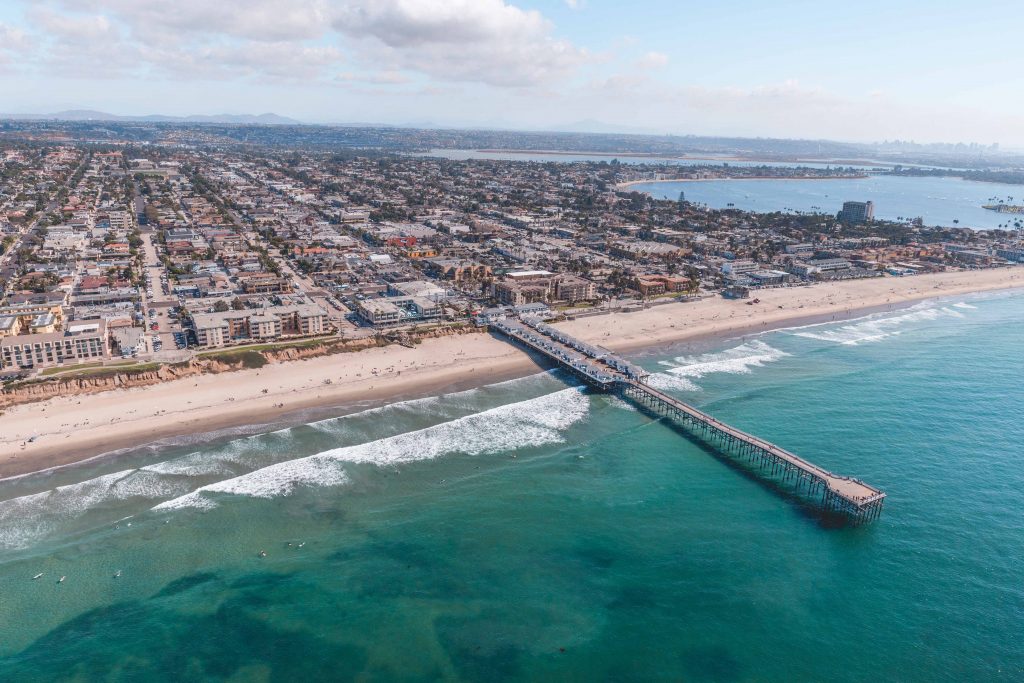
944, 202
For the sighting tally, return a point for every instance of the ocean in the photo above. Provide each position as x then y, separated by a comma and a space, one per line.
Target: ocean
533, 530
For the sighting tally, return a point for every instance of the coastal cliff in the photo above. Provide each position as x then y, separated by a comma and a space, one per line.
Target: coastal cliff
229, 360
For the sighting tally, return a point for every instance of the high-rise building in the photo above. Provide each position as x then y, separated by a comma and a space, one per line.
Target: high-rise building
857, 212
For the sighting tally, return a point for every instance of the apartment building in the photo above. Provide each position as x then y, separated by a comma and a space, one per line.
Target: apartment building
231, 327
398, 310
79, 342
540, 286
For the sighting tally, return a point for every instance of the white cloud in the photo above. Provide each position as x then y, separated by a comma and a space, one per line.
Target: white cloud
487, 41
80, 45
279, 61
14, 43
379, 78
484, 41
653, 60
263, 20
13, 39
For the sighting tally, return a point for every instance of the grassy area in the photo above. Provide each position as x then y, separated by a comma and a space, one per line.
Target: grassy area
58, 370
274, 346
84, 367
250, 358
92, 370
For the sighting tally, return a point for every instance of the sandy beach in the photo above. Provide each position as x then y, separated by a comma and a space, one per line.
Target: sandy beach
70, 429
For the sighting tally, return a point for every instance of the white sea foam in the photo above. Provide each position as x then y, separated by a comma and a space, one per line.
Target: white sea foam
738, 360
268, 482
200, 464
669, 381
30, 517
621, 404
964, 304
529, 423
875, 328
246, 452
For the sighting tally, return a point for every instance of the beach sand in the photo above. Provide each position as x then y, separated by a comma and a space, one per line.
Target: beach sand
73, 428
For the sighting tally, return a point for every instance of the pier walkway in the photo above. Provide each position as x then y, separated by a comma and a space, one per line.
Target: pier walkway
603, 370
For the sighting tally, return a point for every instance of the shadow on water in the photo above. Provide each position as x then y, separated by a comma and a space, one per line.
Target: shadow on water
185, 583
805, 505
151, 640
713, 664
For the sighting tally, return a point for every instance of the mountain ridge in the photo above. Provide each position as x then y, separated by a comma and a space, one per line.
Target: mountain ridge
268, 118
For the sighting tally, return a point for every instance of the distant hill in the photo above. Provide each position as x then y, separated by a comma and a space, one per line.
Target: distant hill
91, 115
600, 128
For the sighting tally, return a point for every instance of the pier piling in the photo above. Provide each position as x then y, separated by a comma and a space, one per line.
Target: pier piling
606, 372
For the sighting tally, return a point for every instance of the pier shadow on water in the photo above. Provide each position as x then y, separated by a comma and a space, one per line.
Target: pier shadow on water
808, 507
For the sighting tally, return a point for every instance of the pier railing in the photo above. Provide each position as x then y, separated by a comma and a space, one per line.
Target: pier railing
604, 371
837, 493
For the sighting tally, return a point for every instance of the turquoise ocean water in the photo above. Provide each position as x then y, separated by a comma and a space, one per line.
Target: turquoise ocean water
530, 530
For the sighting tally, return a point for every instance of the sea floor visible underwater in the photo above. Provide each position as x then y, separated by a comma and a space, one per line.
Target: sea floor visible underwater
533, 530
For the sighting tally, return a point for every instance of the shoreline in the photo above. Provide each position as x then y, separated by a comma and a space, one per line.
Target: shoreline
686, 157
71, 432
631, 183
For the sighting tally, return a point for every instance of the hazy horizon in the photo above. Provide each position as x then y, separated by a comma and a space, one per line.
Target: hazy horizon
863, 73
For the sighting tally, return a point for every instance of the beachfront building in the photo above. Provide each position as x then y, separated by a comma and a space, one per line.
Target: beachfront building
79, 342
769, 278
654, 285
379, 312
829, 265
739, 267
263, 324
402, 310
541, 286
1015, 254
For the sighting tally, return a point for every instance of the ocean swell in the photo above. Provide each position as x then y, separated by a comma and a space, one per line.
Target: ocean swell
535, 422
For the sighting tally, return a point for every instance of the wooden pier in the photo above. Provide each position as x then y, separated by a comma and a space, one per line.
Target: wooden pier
604, 371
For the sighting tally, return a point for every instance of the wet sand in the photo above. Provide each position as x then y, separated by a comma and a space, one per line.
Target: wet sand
73, 428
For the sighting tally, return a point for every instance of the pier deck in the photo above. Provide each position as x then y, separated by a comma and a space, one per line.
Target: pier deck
606, 372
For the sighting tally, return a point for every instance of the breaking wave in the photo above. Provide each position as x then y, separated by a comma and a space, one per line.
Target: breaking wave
270, 464
260, 450
874, 329
738, 360
530, 423
28, 518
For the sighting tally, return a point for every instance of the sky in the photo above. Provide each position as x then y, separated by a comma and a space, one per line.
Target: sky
923, 70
